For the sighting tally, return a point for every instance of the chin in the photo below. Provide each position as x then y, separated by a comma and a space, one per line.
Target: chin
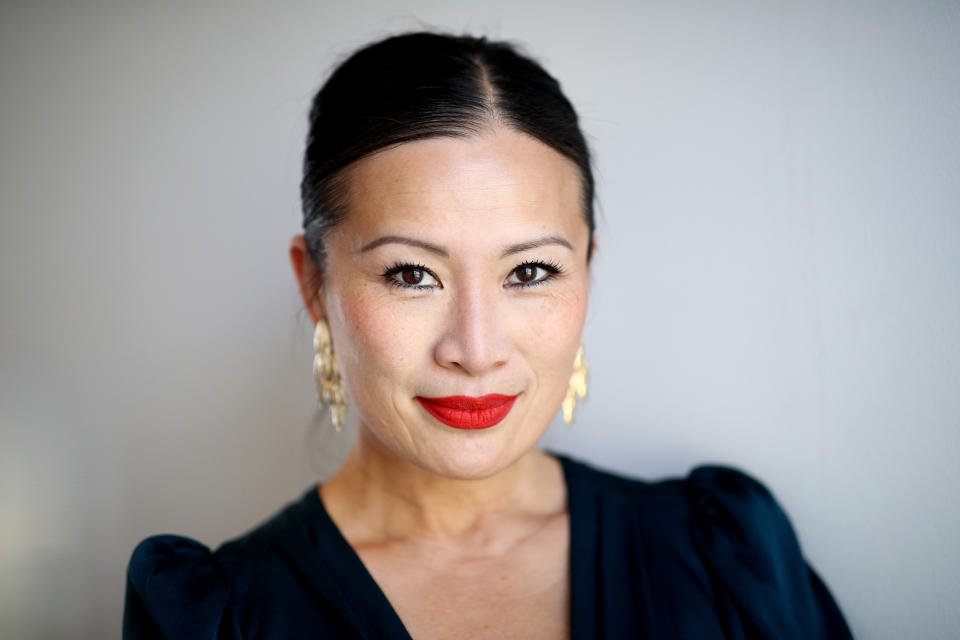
472, 460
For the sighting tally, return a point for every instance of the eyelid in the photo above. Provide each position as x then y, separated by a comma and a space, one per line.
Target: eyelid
552, 268
398, 267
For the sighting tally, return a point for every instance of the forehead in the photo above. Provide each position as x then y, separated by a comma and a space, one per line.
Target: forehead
501, 182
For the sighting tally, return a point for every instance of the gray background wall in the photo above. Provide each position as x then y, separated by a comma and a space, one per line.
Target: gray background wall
775, 286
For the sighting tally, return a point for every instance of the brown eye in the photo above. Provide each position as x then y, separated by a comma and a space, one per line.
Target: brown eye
526, 273
531, 274
412, 276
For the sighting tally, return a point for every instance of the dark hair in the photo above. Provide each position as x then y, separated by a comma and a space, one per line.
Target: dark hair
423, 85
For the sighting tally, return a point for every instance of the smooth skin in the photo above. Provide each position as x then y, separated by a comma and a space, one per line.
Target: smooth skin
460, 269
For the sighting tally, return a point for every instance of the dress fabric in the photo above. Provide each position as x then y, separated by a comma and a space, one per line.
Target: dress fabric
708, 556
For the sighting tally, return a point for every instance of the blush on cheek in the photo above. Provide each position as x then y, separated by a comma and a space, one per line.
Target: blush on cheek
385, 336
550, 350
555, 325
372, 327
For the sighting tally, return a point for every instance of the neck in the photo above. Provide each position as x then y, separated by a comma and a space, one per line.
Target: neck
378, 495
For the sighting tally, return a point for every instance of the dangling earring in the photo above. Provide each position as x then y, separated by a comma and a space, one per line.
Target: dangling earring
578, 386
326, 371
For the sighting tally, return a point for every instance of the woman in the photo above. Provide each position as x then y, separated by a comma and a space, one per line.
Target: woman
448, 229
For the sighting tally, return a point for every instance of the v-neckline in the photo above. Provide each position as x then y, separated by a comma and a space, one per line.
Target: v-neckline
353, 576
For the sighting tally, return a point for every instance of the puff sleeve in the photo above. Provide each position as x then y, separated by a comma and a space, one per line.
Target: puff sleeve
765, 588
175, 589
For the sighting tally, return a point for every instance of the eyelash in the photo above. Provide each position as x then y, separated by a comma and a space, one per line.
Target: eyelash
552, 268
400, 267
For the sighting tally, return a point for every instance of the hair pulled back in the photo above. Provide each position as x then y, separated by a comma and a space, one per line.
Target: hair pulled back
423, 85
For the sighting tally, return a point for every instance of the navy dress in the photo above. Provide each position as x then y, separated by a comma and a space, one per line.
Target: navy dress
708, 556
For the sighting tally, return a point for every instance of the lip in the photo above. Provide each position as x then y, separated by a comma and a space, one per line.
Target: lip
467, 412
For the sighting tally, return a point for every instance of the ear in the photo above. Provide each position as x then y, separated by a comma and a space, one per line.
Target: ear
308, 277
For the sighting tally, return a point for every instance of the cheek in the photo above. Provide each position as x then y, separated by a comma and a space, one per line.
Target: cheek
550, 332
380, 341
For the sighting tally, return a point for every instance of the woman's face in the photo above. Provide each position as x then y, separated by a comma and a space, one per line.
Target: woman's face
459, 270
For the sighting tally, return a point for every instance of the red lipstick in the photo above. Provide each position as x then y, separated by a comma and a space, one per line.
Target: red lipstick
465, 412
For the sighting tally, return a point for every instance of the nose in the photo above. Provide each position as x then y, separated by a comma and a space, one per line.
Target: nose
475, 340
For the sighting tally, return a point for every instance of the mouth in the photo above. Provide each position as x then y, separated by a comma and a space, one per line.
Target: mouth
466, 412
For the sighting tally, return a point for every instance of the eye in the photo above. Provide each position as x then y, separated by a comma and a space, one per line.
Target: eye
531, 274
411, 276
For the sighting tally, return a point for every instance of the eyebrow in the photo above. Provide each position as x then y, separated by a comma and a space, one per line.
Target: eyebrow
440, 251
413, 242
533, 244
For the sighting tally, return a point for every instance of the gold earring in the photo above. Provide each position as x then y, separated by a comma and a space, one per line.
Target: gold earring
326, 371
578, 386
